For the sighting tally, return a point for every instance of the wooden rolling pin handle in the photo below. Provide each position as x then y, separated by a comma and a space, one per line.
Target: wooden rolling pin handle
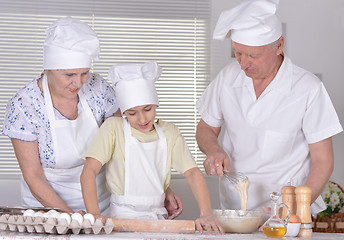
155, 226
289, 199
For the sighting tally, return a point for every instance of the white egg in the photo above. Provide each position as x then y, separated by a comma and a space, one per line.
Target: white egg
52, 211
38, 214
29, 213
55, 214
90, 217
46, 215
78, 217
65, 216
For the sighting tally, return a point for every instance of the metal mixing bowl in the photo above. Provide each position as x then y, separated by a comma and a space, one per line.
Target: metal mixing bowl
238, 221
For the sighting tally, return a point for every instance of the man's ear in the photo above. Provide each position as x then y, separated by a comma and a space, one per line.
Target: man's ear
280, 46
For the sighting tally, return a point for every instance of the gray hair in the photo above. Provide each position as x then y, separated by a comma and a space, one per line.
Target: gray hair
274, 45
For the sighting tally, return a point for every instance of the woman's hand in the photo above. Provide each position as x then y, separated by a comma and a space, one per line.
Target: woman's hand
210, 224
173, 204
103, 218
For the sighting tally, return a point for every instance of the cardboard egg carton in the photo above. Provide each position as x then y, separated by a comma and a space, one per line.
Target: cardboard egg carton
20, 223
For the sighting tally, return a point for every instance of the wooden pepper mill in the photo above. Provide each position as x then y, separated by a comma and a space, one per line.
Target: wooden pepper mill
303, 200
289, 199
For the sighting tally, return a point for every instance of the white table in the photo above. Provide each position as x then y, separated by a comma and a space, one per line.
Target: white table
158, 236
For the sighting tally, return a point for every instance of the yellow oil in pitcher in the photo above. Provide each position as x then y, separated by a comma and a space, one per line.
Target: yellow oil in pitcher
274, 226
274, 231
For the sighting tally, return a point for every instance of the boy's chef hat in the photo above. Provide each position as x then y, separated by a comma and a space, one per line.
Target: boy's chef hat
251, 23
134, 84
70, 44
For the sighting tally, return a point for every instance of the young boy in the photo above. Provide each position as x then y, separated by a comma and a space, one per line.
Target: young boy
139, 154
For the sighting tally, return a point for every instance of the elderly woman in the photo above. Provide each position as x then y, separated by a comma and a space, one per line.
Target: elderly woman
53, 118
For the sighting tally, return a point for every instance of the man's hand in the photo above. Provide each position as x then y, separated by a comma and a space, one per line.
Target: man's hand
173, 204
207, 139
216, 163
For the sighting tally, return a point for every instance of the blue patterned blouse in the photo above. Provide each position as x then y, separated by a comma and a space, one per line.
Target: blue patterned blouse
26, 118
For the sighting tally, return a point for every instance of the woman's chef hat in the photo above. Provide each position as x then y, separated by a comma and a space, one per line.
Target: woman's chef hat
251, 23
134, 84
70, 44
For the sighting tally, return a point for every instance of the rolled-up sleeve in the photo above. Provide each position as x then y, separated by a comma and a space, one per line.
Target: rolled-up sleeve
320, 120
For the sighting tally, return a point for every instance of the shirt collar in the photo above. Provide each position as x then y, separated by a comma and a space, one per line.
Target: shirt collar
282, 81
283, 78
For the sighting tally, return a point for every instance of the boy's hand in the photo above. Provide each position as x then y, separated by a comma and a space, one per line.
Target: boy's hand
209, 223
173, 204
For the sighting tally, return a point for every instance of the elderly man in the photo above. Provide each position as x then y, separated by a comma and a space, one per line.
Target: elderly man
278, 119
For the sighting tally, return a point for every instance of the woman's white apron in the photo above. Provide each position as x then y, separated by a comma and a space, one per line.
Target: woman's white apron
145, 171
70, 140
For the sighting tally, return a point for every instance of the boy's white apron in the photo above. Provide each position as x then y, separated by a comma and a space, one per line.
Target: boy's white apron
70, 140
145, 168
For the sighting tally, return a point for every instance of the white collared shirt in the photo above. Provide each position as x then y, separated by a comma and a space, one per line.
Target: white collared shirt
267, 138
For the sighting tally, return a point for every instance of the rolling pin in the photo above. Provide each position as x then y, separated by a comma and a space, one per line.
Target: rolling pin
155, 226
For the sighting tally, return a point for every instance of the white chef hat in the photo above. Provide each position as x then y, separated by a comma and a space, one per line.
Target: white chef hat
251, 23
135, 84
70, 44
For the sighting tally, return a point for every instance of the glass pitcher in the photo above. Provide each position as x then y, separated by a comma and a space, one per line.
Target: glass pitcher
275, 226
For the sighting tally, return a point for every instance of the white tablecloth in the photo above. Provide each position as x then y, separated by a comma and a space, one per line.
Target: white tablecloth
151, 236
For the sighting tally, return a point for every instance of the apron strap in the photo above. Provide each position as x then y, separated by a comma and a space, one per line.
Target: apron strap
50, 111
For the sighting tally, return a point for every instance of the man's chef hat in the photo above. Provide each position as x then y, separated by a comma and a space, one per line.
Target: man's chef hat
251, 23
134, 84
70, 44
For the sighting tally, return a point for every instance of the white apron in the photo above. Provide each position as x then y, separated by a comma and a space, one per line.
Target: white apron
145, 171
70, 140
261, 185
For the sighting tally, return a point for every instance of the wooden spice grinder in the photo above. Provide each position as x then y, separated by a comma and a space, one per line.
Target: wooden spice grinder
303, 201
289, 199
